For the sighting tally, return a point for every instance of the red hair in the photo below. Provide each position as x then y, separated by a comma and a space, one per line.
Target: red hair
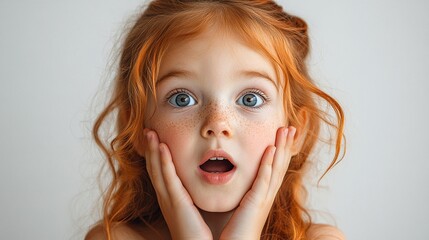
263, 25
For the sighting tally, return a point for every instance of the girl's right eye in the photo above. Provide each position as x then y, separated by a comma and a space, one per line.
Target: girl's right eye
181, 99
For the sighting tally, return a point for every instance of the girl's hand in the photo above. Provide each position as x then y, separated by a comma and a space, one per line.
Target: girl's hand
249, 218
182, 217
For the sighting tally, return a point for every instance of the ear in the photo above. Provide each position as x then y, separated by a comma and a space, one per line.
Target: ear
301, 131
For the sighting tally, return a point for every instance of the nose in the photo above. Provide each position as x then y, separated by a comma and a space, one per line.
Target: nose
216, 123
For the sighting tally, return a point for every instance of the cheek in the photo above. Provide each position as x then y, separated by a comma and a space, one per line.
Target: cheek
258, 136
176, 133
260, 133
168, 127
170, 131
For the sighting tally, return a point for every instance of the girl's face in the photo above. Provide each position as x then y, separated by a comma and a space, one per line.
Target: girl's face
216, 98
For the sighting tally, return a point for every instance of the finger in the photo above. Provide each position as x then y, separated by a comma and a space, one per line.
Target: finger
144, 143
151, 152
281, 137
281, 141
290, 138
173, 184
263, 178
285, 137
147, 151
145, 131
154, 164
169, 174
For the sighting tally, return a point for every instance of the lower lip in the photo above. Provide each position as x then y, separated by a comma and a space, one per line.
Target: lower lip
217, 178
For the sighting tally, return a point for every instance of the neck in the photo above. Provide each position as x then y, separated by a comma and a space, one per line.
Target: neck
216, 221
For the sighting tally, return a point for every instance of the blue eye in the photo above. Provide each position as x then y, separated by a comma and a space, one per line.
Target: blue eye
253, 100
181, 99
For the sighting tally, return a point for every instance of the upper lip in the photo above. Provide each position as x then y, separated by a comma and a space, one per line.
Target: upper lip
216, 153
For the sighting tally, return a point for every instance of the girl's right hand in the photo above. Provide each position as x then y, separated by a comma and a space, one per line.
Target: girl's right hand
181, 215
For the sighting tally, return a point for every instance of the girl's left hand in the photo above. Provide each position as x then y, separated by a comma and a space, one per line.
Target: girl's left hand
249, 218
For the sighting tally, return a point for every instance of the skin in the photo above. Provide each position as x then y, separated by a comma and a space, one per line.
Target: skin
215, 71
175, 139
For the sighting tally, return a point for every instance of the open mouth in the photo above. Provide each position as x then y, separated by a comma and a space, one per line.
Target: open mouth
217, 165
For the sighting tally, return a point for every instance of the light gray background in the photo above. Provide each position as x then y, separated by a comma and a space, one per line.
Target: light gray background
371, 55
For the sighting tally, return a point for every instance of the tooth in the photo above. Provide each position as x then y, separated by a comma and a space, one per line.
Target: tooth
217, 158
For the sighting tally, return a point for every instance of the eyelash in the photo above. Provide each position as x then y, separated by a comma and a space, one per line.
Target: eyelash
253, 90
176, 91
260, 93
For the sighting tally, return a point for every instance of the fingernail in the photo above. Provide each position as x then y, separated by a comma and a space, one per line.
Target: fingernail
273, 150
148, 136
293, 131
285, 131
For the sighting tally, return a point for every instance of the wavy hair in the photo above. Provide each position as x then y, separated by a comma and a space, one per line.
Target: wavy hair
263, 25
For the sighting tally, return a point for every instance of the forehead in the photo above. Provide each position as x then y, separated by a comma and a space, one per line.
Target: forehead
216, 47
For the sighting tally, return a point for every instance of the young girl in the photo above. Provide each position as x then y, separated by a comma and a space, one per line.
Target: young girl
216, 117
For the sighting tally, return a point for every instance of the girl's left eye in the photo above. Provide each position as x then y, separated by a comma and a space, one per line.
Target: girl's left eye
181, 99
251, 99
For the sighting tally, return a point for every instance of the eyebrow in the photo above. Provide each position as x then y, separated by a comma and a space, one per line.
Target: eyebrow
258, 74
175, 73
245, 73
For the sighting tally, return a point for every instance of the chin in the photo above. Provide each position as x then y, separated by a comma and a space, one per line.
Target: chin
218, 209
218, 205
